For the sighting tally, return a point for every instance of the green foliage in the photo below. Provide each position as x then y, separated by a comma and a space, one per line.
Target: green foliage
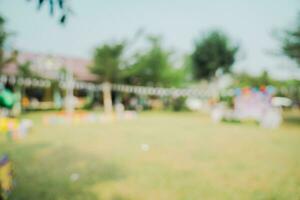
290, 89
150, 67
228, 99
187, 69
3, 37
212, 52
179, 104
291, 42
24, 70
153, 67
285, 88
63, 73
107, 62
246, 80
3, 33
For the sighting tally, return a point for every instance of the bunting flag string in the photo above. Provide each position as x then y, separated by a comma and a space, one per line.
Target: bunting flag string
139, 90
159, 91
28, 82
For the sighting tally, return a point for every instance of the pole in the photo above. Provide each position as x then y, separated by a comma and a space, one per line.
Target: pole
107, 101
69, 101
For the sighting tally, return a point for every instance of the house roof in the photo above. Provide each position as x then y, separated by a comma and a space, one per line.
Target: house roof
48, 66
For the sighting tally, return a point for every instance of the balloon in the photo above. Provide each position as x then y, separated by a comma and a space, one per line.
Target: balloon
237, 91
271, 89
246, 90
7, 99
262, 88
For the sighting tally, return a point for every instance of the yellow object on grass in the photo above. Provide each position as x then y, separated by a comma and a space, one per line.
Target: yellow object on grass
8, 124
6, 181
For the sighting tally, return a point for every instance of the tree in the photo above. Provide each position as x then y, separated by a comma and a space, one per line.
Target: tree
4, 60
291, 42
247, 80
107, 62
24, 70
212, 52
153, 67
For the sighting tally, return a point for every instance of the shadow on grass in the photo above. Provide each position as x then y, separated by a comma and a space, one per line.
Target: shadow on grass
43, 172
241, 122
294, 120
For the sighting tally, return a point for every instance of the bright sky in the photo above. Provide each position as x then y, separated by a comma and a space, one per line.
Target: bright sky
249, 23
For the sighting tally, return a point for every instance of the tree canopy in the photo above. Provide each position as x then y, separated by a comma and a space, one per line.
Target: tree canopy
107, 62
212, 52
291, 42
4, 59
247, 80
153, 67
24, 70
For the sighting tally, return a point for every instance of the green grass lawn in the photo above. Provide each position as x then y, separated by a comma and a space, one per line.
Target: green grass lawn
189, 158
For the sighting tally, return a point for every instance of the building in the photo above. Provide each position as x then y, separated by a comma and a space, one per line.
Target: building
48, 66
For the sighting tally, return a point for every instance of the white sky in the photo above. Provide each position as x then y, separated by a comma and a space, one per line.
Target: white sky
249, 23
